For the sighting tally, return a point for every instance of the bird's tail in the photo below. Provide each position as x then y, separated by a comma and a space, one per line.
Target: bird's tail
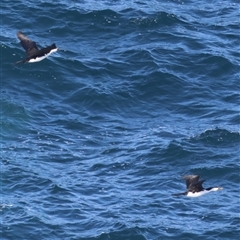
21, 61
179, 194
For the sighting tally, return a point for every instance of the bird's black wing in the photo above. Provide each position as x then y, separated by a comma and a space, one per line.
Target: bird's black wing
29, 46
196, 187
191, 180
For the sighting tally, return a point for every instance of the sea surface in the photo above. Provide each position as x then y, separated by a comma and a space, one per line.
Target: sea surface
96, 138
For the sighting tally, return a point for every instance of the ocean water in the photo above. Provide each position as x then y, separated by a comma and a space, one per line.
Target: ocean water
95, 138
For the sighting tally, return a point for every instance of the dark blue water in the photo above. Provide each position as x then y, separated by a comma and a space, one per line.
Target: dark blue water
95, 139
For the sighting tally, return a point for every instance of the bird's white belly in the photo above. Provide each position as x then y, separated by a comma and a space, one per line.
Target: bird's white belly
197, 194
38, 59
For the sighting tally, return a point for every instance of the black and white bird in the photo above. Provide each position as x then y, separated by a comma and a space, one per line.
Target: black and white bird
195, 188
33, 53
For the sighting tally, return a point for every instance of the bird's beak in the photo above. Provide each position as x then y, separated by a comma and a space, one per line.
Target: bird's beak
220, 188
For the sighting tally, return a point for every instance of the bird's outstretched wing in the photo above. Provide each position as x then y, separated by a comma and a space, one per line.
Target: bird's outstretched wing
29, 45
191, 180
196, 187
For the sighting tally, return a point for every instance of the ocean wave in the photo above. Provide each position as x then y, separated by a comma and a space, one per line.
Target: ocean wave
95, 138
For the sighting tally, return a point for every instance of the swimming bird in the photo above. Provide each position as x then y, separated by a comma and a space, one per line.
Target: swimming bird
195, 188
33, 53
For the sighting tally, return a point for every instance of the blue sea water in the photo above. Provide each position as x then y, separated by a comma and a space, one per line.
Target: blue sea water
95, 139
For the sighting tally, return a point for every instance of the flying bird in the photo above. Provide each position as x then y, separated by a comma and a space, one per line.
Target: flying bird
195, 188
33, 53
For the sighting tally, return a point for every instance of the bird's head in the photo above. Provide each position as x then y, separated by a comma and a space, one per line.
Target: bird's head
217, 188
